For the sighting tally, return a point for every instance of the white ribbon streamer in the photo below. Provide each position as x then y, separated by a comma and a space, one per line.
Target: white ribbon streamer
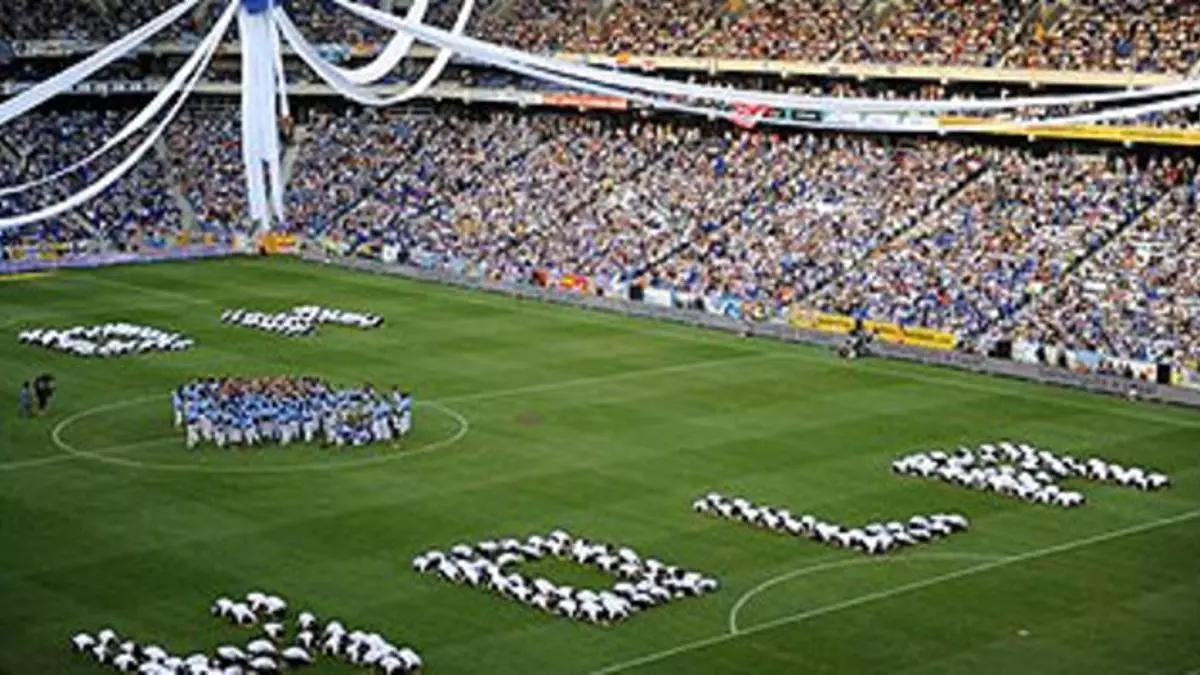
260, 130
488, 53
134, 124
664, 104
495, 54
121, 169
67, 79
280, 75
363, 95
1115, 114
395, 52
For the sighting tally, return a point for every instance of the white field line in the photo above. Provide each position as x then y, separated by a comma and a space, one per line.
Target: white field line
56, 459
464, 426
831, 563
602, 379
486, 299
56, 433
698, 336
898, 590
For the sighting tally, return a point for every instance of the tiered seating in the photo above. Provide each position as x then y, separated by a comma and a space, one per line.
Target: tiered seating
1138, 298
1118, 35
135, 213
1012, 235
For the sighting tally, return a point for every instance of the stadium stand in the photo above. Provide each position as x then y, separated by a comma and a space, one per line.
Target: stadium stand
88, 21
1123, 35
342, 159
137, 212
211, 139
1139, 297
1091, 248
960, 237
1010, 235
938, 32
776, 30
1108, 35
1118, 35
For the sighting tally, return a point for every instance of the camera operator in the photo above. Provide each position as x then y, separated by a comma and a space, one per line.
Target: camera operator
43, 391
858, 342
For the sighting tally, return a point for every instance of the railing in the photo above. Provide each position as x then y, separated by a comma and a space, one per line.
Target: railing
886, 123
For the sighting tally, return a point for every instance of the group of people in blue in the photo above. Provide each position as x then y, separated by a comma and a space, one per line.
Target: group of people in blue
246, 412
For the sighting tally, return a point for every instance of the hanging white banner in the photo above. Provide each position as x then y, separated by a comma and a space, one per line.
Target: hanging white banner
260, 130
280, 74
367, 96
115, 174
497, 55
134, 124
72, 76
391, 56
546, 67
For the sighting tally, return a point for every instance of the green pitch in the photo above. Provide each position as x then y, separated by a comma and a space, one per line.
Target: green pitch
534, 417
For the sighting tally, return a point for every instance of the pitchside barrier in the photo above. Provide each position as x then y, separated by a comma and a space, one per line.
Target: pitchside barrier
788, 333
887, 332
44, 260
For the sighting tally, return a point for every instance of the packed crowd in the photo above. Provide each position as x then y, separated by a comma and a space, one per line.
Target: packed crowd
986, 242
643, 582
642, 212
876, 538
138, 212
90, 21
1143, 35
106, 340
1138, 298
487, 193
639, 26
939, 32
959, 237
343, 155
831, 201
210, 140
589, 197
324, 23
795, 30
1013, 234
37, 20
231, 412
1115, 35
104, 21
1023, 471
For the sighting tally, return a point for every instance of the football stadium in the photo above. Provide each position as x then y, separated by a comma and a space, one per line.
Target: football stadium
599, 336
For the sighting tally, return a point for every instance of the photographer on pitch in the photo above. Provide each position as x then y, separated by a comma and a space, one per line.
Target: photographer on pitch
858, 342
43, 391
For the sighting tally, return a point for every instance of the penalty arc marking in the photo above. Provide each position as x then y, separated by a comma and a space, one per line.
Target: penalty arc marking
1035, 554
838, 562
